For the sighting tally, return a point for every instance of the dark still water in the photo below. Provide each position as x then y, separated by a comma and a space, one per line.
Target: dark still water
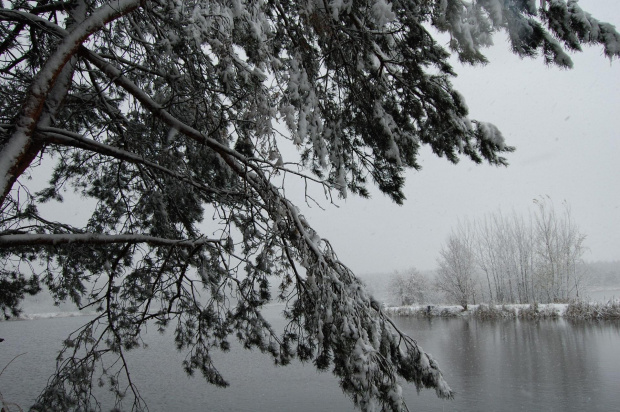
492, 365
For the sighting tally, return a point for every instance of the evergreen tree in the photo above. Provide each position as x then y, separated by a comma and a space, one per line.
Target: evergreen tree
164, 113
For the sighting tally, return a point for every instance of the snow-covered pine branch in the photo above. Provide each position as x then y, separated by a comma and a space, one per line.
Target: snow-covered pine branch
531, 30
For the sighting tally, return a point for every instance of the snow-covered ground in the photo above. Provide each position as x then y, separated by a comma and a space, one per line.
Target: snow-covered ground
456, 310
576, 310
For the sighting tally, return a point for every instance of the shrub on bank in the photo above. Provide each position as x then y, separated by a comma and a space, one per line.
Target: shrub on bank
593, 311
535, 311
488, 312
430, 311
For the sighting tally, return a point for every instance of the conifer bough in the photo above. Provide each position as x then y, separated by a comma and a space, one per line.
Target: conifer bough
165, 114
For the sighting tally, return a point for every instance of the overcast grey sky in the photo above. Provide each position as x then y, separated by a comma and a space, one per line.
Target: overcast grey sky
566, 127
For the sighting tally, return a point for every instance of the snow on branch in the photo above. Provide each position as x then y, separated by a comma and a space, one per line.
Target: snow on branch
117, 77
471, 25
7, 241
66, 137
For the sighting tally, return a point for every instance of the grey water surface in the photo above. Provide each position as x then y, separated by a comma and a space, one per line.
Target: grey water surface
492, 365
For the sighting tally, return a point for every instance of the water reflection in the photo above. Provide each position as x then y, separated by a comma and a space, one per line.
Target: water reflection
524, 365
493, 366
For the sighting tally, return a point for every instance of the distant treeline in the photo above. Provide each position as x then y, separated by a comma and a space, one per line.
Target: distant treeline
603, 274
505, 259
411, 287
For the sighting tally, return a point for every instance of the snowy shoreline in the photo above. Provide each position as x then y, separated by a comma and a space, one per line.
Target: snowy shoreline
48, 315
573, 310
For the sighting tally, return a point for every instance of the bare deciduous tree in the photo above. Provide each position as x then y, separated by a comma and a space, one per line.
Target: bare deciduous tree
517, 260
559, 250
409, 287
457, 272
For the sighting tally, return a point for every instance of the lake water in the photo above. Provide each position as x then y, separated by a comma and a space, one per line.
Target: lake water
492, 365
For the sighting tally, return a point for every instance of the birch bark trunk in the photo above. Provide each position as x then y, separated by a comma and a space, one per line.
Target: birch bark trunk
48, 89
